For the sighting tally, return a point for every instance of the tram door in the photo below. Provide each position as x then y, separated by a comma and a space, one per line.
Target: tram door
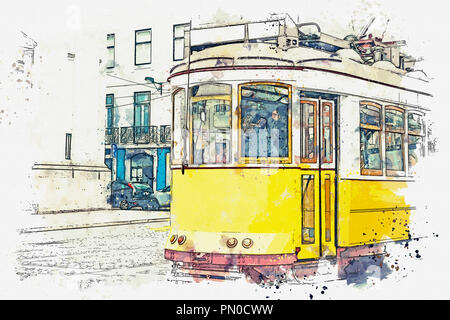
317, 180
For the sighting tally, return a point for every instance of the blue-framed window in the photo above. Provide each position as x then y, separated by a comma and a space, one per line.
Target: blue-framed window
109, 112
142, 110
178, 41
143, 47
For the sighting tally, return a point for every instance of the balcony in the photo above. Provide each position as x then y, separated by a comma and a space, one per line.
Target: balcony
165, 134
111, 136
138, 135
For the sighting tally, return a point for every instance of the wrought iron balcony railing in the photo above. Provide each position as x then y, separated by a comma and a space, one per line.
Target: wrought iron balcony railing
165, 134
111, 135
138, 135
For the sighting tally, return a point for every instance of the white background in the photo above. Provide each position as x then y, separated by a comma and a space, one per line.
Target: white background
424, 26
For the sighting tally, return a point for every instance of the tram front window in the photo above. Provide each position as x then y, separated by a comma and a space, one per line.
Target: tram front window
264, 121
211, 123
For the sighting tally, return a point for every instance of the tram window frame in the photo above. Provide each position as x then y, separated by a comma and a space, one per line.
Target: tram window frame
179, 133
261, 160
308, 207
394, 131
304, 159
330, 124
190, 109
372, 127
412, 133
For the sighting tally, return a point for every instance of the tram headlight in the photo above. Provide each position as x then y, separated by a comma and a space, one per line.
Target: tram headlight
247, 243
181, 240
173, 238
232, 242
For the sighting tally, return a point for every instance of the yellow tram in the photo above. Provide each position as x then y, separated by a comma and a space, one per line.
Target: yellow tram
290, 147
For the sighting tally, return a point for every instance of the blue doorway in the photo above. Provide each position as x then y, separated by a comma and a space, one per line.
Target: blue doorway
161, 170
141, 168
120, 165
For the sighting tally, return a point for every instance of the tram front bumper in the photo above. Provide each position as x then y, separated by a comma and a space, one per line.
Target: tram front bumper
202, 258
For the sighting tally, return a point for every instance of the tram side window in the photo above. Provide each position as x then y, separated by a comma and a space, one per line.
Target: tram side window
308, 131
370, 138
264, 119
416, 145
395, 129
180, 133
211, 123
327, 123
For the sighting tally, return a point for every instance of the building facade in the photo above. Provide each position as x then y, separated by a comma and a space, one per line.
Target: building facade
64, 124
137, 102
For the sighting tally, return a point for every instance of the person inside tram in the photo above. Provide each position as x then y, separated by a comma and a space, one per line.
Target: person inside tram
254, 119
277, 131
265, 130
274, 120
221, 153
254, 126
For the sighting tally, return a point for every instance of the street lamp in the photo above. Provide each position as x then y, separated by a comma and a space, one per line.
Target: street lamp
152, 80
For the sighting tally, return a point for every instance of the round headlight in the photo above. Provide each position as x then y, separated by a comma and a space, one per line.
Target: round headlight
232, 242
181, 240
247, 243
173, 238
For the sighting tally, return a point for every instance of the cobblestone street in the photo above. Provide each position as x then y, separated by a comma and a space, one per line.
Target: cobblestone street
95, 255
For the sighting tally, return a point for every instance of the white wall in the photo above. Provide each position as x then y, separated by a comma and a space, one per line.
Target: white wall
66, 95
126, 78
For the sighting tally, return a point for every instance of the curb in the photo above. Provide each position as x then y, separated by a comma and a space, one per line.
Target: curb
55, 212
39, 213
94, 225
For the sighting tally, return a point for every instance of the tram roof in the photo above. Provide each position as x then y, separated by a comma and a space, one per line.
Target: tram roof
283, 47
343, 62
